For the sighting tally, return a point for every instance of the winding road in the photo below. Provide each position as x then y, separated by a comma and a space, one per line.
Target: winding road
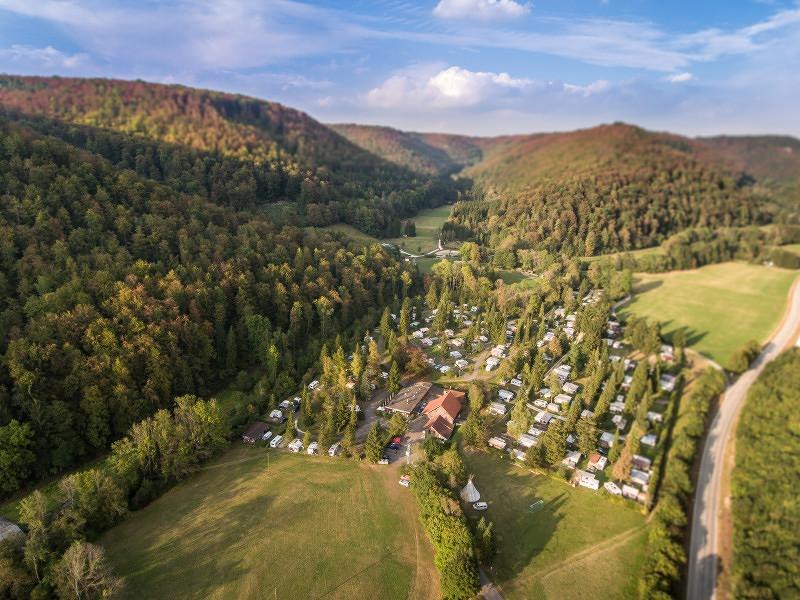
708, 502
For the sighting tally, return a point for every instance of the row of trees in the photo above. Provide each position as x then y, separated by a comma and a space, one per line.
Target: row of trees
446, 526
55, 554
662, 571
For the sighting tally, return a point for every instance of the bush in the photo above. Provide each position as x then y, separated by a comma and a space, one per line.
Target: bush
743, 357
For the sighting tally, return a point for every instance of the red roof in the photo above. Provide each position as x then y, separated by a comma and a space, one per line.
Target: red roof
450, 402
441, 426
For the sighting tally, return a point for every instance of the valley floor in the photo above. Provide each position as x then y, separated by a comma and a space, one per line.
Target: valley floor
721, 306
577, 543
263, 524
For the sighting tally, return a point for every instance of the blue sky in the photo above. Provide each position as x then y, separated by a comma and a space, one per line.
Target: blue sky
479, 67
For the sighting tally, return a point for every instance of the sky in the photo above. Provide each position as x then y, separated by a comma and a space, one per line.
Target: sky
478, 67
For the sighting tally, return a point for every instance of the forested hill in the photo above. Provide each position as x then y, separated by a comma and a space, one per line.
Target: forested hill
612, 187
770, 159
429, 153
260, 153
119, 293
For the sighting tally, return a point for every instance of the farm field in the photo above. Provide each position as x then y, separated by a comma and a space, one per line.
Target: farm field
635, 253
721, 306
428, 223
577, 534
791, 248
292, 526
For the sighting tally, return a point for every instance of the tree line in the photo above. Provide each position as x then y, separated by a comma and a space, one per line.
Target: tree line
56, 556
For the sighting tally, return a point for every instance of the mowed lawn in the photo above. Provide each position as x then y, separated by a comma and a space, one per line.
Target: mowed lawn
579, 544
428, 222
721, 306
298, 527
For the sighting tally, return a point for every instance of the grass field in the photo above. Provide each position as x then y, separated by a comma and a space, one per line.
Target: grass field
721, 306
296, 527
578, 545
428, 223
353, 233
791, 248
635, 253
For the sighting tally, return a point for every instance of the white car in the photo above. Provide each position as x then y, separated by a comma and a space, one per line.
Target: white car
313, 448
480, 506
334, 450
296, 446
266, 436
383, 461
276, 441
403, 482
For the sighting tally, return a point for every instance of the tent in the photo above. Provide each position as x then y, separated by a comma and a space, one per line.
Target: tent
470, 493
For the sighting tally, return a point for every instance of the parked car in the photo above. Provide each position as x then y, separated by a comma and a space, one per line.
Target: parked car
334, 450
266, 436
403, 482
276, 441
480, 506
296, 445
313, 448
394, 447
383, 461
397, 440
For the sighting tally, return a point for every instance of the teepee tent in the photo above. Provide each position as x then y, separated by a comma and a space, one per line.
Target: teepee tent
470, 493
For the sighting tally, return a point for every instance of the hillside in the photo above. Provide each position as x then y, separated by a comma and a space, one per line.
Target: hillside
428, 153
772, 160
607, 188
264, 151
120, 294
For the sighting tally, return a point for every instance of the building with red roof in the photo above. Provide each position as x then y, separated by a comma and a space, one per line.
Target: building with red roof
442, 413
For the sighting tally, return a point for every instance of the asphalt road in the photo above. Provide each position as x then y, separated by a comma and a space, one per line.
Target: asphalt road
703, 550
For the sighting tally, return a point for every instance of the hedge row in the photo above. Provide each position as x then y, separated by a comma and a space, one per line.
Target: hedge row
662, 571
444, 522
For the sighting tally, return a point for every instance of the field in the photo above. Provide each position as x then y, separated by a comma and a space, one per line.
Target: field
721, 306
634, 253
791, 248
287, 526
577, 540
428, 223
353, 233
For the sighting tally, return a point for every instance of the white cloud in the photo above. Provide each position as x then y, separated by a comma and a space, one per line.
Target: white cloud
450, 87
596, 87
484, 10
32, 59
680, 77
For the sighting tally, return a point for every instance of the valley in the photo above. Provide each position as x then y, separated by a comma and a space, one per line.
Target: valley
223, 322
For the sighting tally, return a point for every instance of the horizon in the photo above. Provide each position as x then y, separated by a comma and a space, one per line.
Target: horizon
420, 131
480, 68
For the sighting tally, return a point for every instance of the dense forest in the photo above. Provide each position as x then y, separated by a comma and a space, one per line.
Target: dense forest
232, 148
429, 153
766, 514
120, 293
610, 188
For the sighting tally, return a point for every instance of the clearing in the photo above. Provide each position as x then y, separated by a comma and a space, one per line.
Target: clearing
428, 223
576, 535
721, 306
258, 524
